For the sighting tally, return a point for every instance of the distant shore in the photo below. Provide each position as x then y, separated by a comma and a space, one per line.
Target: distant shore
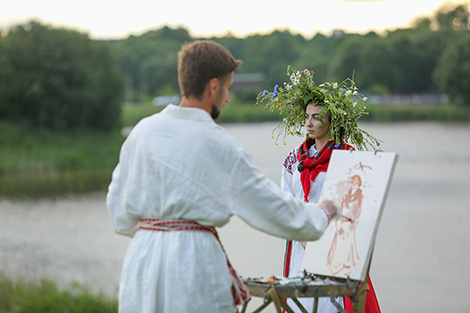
38, 163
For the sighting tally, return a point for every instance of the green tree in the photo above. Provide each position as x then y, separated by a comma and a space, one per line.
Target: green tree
316, 54
347, 59
414, 55
452, 74
58, 79
150, 61
270, 54
377, 71
454, 16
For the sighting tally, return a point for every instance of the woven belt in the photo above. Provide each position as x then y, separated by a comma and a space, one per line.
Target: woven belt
239, 290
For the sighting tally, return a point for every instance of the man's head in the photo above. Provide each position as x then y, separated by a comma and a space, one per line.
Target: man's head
201, 61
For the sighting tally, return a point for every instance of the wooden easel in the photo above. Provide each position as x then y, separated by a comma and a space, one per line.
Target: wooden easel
332, 288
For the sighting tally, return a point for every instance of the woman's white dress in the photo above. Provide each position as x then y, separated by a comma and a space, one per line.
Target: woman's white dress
290, 181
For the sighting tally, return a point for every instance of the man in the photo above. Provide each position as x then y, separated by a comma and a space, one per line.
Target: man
179, 176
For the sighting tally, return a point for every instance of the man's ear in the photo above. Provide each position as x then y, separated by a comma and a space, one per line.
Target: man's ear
213, 86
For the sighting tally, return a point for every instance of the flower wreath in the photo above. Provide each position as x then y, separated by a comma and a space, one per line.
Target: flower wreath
342, 104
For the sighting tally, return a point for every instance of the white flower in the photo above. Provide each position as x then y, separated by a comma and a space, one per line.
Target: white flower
348, 92
355, 92
296, 80
335, 85
354, 104
364, 99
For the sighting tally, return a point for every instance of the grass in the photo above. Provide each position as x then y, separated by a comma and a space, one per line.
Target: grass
23, 296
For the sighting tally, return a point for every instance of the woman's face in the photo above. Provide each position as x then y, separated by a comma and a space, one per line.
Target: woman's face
316, 128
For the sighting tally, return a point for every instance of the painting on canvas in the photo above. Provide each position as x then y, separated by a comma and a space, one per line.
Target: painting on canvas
358, 183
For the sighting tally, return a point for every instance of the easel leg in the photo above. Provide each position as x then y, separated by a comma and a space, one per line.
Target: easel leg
278, 301
244, 306
337, 305
299, 305
359, 303
315, 305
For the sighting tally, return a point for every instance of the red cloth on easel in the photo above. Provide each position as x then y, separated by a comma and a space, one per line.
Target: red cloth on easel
372, 304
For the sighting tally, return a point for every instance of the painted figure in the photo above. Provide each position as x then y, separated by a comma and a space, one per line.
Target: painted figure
343, 253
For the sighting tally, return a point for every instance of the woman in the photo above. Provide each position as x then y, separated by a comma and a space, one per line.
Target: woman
307, 185
329, 113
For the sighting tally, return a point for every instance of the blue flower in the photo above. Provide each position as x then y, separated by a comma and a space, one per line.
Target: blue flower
265, 92
276, 91
378, 143
336, 145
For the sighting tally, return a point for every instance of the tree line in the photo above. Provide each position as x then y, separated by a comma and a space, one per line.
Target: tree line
62, 79
58, 79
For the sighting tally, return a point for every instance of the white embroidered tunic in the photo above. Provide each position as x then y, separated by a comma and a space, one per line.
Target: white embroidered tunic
290, 181
179, 164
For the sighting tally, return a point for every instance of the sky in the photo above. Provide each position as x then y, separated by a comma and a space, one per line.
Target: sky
105, 19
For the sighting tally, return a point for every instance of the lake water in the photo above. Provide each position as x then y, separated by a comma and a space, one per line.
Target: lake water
422, 250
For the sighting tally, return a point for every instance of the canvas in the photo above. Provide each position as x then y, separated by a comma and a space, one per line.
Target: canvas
358, 182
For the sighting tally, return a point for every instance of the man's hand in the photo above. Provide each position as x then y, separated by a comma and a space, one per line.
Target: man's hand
332, 209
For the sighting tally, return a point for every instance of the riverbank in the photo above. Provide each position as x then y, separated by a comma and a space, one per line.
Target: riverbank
37, 163
248, 113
